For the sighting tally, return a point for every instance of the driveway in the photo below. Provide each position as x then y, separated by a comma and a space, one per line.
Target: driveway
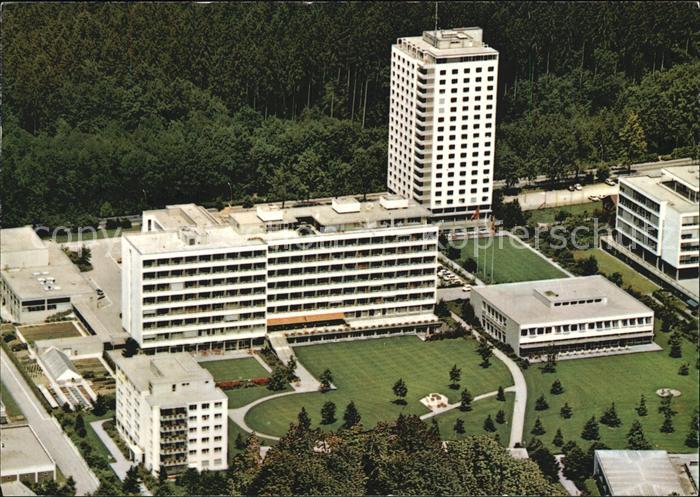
57, 443
520, 389
106, 275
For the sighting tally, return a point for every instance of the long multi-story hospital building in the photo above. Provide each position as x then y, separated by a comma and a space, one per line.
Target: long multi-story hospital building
657, 218
194, 280
442, 122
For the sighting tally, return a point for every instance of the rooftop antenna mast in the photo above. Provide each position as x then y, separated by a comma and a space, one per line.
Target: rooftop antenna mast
436, 19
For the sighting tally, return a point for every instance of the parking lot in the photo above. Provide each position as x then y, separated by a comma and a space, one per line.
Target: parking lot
451, 286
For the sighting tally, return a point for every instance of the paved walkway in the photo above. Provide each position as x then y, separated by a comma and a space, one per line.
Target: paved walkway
57, 443
307, 382
238, 415
121, 464
449, 407
565, 482
520, 389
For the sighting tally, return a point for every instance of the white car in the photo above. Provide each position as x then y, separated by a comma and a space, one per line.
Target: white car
578, 187
467, 288
593, 198
610, 182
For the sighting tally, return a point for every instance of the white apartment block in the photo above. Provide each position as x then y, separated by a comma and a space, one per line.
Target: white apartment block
170, 413
570, 314
196, 280
442, 124
657, 218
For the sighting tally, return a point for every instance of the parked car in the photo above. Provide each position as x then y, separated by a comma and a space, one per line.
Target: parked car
611, 181
578, 187
572, 188
593, 198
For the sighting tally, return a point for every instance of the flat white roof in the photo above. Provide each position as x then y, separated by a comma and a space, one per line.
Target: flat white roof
532, 302
161, 368
639, 472
156, 242
19, 239
21, 451
451, 42
651, 184
67, 281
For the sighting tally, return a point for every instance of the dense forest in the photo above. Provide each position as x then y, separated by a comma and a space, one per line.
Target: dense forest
111, 108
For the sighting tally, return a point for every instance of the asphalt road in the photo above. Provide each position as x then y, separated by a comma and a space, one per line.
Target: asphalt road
59, 446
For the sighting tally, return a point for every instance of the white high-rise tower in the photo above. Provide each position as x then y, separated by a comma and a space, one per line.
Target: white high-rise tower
442, 125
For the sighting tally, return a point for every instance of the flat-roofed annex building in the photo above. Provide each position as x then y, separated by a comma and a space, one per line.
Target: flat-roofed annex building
196, 279
442, 122
23, 457
36, 278
170, 412
657, 218
569, 314
641, 473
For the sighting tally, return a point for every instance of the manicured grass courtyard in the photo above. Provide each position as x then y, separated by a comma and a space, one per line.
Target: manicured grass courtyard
239, 369
591, 385
46, 331
512, 260
364, 372
474, 419
608, 264
235, 369
547, 215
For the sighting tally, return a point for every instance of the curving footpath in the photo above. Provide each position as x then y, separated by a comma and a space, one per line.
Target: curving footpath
520, 389
238, 415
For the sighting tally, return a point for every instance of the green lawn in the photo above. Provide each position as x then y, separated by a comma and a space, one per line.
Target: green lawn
233, 431
239, 369
512, 260
474, 419
608, 264
238, 397
547, 215
365, 371
592, 384
13, 410
63, 329
235, 369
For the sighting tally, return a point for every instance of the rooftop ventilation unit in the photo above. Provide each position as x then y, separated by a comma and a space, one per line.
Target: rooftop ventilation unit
345, 205
392, 202
269, 213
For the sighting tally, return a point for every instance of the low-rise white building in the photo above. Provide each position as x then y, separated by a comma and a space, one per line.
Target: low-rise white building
570, 314
170, 412
37, 279
642, 472
23, 457
197, 280
657, 218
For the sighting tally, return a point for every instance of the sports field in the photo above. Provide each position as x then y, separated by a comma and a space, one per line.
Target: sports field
590, 385
508, 259
364, 371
